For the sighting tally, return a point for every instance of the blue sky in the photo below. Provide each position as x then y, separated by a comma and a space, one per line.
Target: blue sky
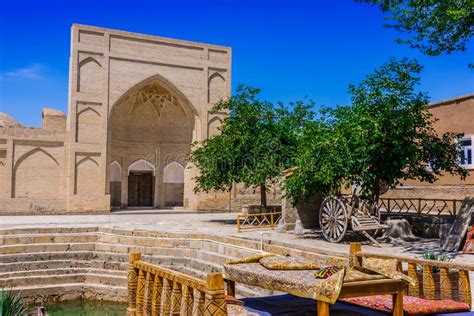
290, 49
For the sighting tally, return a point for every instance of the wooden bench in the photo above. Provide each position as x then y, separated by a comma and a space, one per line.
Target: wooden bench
153, 290
450, 283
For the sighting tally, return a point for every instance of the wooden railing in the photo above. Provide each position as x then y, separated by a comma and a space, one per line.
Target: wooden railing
451, 282
420, 206
153, 290
257, 221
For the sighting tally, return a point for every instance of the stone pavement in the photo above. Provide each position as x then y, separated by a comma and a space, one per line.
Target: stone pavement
219, 224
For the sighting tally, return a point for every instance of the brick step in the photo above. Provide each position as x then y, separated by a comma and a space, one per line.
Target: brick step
49, 247
18, 231
62, 271
57, 264
90, 278
48, 238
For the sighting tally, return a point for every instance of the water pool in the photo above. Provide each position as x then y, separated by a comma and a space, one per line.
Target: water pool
86, 308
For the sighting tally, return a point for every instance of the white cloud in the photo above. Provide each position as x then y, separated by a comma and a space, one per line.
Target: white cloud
35, 71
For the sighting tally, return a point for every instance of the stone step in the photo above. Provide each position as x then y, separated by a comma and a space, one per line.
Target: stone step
18, 231
50, 247
48, 238
90, 278
57, 264
69, 270
44, 256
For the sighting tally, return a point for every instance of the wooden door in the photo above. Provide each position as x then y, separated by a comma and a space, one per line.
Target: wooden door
140, 189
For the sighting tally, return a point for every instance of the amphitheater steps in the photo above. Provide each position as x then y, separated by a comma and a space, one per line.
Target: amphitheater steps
66, 263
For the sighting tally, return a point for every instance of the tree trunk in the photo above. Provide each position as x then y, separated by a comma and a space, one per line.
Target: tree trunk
263, 195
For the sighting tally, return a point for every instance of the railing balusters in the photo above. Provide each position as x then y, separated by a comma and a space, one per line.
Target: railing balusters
132, 282
255, 221
464, 287
140, 293
176, 297
415, 289
148, 292
446, 291
187, 301
198, 306
156, 295
166, 297
428, 283
419, 206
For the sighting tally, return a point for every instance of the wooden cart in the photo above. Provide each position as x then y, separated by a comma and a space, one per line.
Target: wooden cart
338, 212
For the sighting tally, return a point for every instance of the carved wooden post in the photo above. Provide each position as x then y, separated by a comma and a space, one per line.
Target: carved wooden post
399, 266
415, 289
187, 301
156, 296
198, 306
428, 283
464, 287
230, 287
354, 249
176, 299
140, 293
149, 292
215, 304
166, 297
445, 285
132, 283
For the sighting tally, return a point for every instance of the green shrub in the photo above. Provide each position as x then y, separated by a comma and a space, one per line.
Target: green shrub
436, 256
12, 304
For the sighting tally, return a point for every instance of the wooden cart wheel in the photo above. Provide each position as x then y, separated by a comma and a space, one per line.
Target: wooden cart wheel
333, 219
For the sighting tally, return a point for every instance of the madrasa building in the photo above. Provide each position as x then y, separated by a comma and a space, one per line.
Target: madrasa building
136, 104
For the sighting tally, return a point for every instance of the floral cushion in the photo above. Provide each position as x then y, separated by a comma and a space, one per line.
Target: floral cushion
288, 263
411, 305
388, 265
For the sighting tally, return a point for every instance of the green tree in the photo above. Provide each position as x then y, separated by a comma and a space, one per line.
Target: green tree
384, 137
435, 26
257, 141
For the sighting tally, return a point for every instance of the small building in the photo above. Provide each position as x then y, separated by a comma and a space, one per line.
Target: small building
452, 115
136, 104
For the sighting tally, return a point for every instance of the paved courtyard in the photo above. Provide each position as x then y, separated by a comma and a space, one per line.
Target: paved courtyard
219, 224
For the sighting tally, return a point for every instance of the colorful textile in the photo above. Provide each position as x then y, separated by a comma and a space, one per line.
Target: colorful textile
297, 282
288, 263
412, 306
326, 272
377, 264
353, 275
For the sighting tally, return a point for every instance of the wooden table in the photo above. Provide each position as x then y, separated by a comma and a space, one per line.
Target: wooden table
393, 287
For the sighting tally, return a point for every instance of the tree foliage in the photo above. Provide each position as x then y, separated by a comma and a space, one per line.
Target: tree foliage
384, 137
257, 141
435, 26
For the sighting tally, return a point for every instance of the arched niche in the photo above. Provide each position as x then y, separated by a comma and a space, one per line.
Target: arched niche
141, 165
88, 126
115, 172
87, 176
216, 88
36, 174
173, 184
89, 76
115, 180
173, 173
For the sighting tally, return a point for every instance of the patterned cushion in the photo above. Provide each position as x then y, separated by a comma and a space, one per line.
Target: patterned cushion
388, 265
411, 305
288, 263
